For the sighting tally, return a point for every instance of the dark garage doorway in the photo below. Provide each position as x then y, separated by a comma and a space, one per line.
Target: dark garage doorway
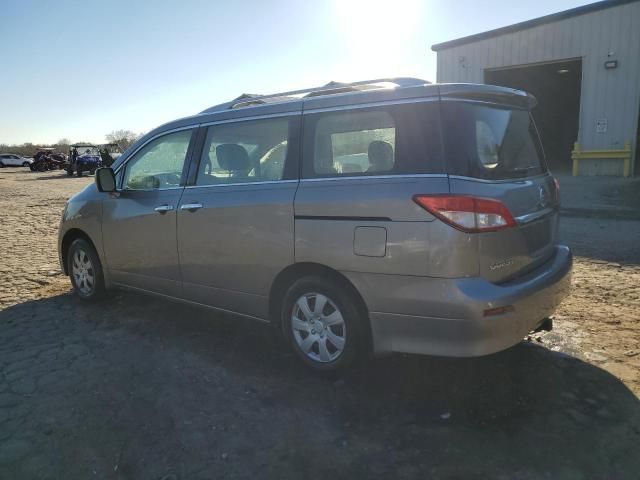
556, 85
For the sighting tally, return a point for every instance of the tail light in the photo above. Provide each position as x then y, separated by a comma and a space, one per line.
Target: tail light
469, 214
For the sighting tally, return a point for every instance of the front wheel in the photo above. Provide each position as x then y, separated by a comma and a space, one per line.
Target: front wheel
85, 270
322, 323
79, 172
25, 164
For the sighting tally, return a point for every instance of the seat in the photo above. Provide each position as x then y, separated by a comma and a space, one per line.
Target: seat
233, 158
380, 156
351, 168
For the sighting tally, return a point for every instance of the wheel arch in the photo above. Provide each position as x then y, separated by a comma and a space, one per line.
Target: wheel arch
293, 272
71, 235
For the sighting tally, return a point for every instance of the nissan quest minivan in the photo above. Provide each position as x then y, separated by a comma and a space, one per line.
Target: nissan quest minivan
390, 215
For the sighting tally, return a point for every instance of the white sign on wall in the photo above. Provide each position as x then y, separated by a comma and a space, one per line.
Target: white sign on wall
601, 125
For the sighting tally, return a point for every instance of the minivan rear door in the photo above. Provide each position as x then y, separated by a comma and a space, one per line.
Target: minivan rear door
493, 151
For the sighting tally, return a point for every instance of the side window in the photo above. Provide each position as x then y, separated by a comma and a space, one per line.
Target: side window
348, 143
159, 164
390, 140
246, 151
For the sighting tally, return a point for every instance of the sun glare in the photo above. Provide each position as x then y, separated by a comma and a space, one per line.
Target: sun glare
374, 32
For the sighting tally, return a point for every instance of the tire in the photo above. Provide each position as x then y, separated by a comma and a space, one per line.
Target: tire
79, 172
322, 342
1, 165
85, 271
26, 164
69, 172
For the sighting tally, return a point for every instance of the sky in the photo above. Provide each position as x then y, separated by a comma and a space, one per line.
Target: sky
81, 69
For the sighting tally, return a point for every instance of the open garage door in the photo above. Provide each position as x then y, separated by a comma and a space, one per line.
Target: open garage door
556, 85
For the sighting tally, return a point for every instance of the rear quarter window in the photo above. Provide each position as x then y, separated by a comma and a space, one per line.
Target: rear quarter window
392, 140
490, 142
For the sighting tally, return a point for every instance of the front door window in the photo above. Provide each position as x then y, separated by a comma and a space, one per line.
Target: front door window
159, 165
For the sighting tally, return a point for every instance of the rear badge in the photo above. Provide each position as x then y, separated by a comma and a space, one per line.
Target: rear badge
496, 266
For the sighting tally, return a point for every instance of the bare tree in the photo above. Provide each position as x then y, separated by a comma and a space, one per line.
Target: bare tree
63, 144
124, 138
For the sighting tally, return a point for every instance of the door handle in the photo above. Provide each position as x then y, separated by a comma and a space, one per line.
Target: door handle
192, 207
164, 208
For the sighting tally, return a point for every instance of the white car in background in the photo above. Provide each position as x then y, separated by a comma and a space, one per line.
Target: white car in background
12, 160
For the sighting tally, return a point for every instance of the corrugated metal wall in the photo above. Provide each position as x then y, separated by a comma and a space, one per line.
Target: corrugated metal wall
610, 94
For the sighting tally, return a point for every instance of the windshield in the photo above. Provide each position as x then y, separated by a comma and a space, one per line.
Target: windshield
87, 150
491, 142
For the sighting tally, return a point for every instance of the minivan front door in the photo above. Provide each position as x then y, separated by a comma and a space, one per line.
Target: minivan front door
139, 222
235, 225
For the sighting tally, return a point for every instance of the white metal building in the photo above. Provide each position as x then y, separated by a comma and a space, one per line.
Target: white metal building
583, 65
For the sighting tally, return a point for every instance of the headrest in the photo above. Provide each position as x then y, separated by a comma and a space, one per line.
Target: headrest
380, 151
232, 157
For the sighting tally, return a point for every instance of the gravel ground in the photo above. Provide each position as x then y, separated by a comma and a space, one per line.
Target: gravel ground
141, 388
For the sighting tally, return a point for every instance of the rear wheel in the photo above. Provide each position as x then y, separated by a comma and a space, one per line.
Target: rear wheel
1, 165
85, 270
322, 323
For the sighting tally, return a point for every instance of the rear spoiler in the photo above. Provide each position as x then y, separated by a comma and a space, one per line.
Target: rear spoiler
488, 93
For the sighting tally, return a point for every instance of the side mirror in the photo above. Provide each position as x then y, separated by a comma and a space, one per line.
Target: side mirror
105, 180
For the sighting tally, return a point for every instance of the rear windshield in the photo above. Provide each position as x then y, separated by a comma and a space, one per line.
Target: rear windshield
490, 142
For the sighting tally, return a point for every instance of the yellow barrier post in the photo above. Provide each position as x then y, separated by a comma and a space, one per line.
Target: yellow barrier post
574, 155
627, 160
623, 154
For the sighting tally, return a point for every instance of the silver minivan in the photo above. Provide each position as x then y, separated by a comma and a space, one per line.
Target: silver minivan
389, 215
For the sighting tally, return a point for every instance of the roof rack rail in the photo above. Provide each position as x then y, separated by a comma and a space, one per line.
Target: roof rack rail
330, 88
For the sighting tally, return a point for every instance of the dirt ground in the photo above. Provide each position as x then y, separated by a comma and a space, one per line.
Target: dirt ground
136, 387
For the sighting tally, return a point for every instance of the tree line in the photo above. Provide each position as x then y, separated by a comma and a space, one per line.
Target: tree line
123, 138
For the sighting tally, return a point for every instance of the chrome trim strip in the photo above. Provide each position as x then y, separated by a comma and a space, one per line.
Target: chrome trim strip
504, 180
183, 300
122, 190
377, 177
240, 184
380, 103
531, 217
265, 116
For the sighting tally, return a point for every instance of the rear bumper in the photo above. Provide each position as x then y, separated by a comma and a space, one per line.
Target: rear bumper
446, 316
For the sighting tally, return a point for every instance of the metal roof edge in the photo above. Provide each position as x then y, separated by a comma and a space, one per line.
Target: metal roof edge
516, 27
